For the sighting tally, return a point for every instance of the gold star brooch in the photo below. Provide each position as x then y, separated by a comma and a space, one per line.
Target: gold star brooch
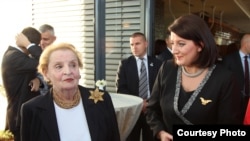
96, 95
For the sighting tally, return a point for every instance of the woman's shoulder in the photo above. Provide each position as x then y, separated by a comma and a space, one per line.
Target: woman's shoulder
223, 72
169, 65
221, 68
38, 100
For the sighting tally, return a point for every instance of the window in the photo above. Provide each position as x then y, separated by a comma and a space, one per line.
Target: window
123, 18
73, 21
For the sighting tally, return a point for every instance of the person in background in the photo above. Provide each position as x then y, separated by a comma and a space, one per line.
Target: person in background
47, 38
212, 97
18, 70
232, 47
69, 112
159, 46
235, 63
48, 35
167, 53
127, 81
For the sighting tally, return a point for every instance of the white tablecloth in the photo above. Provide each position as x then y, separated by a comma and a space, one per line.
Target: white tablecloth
128, 109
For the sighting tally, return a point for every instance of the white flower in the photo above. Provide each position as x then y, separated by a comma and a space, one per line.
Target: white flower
101, 83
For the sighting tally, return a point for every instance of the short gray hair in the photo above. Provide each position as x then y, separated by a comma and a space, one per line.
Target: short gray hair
46, 27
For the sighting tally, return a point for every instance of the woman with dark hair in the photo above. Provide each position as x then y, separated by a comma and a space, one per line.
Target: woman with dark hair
192, 88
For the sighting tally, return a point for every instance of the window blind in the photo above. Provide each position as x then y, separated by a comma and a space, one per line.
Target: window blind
73, 21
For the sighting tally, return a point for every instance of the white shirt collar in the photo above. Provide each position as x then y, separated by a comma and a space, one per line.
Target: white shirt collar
242, 55
145, 57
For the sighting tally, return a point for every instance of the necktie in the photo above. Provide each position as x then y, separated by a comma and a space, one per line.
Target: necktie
143, 81
246, 76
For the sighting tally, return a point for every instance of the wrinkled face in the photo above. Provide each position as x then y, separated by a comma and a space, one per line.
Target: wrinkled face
185, 51
63, 70
138, 46
47, 39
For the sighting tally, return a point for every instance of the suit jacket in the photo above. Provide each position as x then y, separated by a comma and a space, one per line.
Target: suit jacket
39, 121
221, 88
18, 69
233, 63
127, 80
165, 55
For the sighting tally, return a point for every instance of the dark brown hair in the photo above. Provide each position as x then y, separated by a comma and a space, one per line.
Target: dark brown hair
33, 35
192, 27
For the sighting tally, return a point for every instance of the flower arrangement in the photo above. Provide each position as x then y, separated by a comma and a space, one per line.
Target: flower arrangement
6, 135
101, 84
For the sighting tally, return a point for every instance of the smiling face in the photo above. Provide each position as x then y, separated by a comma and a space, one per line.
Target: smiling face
185, 51
63, 70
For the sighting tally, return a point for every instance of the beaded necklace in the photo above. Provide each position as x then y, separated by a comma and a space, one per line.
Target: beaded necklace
192, 75
66, 104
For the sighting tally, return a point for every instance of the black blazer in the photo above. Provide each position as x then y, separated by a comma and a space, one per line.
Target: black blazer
233, 63
39, 121
221, 88
18, 69
127, 80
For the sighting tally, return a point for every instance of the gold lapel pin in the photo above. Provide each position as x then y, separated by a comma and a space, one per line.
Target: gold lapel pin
205, 101
96, 95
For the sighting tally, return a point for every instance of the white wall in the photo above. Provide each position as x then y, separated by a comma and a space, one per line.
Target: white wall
15, 15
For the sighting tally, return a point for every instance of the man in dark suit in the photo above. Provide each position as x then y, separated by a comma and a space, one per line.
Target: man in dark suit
18, 70
127, 81
47, 38
235, 62
167, 53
